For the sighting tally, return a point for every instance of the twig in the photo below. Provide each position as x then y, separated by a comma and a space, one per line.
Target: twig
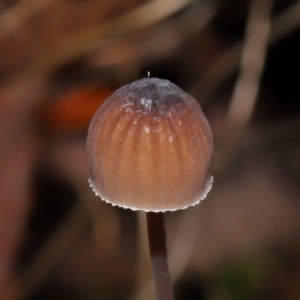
53, 250
156, 42
227, 63
142, 17
252, 62
14, 18
247, 85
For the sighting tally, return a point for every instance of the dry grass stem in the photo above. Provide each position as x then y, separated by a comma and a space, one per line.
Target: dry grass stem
227, 63
15, 17
252, 63
142, 17
54, 249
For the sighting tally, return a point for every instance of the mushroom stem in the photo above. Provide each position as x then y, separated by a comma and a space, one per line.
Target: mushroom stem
158, 256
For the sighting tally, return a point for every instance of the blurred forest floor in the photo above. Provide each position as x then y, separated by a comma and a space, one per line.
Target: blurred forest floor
60, 59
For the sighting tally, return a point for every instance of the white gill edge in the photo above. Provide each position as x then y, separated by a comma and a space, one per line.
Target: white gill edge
206, 190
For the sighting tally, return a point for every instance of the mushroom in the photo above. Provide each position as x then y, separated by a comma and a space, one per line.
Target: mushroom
150, 148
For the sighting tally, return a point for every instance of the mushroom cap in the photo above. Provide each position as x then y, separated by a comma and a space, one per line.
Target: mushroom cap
150, 148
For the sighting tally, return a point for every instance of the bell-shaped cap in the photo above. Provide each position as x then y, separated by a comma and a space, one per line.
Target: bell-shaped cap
150, 148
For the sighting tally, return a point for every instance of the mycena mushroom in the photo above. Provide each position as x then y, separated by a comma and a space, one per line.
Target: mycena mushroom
150, 148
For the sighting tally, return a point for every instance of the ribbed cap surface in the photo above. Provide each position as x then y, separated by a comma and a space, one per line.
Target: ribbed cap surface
150, 147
